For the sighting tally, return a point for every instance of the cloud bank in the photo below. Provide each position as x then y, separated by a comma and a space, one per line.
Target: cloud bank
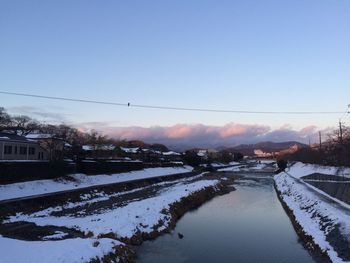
200, 135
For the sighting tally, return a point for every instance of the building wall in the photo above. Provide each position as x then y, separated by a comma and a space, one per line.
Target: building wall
10, 150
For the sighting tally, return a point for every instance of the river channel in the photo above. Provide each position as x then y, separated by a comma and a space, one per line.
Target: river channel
246, 225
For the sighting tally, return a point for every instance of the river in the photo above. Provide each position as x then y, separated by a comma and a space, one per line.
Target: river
246, 225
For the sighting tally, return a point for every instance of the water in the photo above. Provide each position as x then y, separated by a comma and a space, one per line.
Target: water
246, 225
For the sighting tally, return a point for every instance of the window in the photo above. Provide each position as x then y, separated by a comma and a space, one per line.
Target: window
15, 149
22, 150
7, 149
41, 156
31, 150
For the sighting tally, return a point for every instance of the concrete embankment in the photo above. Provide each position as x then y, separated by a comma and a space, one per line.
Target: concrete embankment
339, 190
321, 221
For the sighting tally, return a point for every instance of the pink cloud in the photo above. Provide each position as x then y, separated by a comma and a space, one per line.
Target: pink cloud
178, 131
232, 130
200, 135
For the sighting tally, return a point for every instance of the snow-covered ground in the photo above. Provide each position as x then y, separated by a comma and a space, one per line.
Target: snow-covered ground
318, 214
139, 215
230, 169
124, 220
299, 170
68, 250
32, 188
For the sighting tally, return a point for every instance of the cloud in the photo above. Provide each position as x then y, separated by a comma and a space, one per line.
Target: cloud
200, 135
37, 113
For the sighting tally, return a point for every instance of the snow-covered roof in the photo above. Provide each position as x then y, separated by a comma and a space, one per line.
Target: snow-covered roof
106, 147
109, 147
130, 150
39, 136
12, 137
87, 147
151, 151
171, 153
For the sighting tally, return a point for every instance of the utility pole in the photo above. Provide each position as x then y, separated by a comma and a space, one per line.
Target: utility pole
340, 132
320, 139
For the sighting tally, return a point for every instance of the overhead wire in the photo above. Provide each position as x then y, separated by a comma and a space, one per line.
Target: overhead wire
144, 106
345, 114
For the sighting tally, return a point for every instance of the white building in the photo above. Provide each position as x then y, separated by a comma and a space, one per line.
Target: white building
15, 147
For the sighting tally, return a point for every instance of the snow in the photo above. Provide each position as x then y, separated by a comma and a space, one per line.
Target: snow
125, 160
230, 169
151, 151
57, 235
39, 136
32, 188
267, 161
171, 153
130, 150
177, 162
125, 221
218, 164
106, 147
87, 147
4, 138
68, 250
136, 216
299, 170
24, 161
313, 209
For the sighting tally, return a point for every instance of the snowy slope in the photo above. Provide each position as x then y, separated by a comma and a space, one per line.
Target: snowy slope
299, 170
139, 215
68, 250
315, 212
38, 187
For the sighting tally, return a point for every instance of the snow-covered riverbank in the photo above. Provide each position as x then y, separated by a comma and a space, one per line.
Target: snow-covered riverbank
299, 170
68, 250
106, 221
324, 219
78, 181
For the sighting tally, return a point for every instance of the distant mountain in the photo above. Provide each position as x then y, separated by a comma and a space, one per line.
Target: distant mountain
248, 149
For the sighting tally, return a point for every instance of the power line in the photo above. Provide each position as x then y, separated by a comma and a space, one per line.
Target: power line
128, 104
346, 112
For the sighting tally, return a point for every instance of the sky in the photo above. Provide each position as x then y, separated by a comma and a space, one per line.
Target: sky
271, 55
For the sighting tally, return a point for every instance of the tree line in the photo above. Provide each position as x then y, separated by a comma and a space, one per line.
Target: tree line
334, 151
24, 125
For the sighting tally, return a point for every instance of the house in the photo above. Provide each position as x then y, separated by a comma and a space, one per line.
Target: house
15, 147
132, 153
261, 154
213, 154
151, 155
172, 156
203, 154
52, 144
107, 151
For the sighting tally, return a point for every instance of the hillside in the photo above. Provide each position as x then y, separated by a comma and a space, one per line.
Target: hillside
248, 149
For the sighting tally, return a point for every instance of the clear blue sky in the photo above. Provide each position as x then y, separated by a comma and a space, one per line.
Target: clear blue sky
249, 54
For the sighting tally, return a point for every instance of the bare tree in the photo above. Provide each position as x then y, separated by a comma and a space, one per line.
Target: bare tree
5, 119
